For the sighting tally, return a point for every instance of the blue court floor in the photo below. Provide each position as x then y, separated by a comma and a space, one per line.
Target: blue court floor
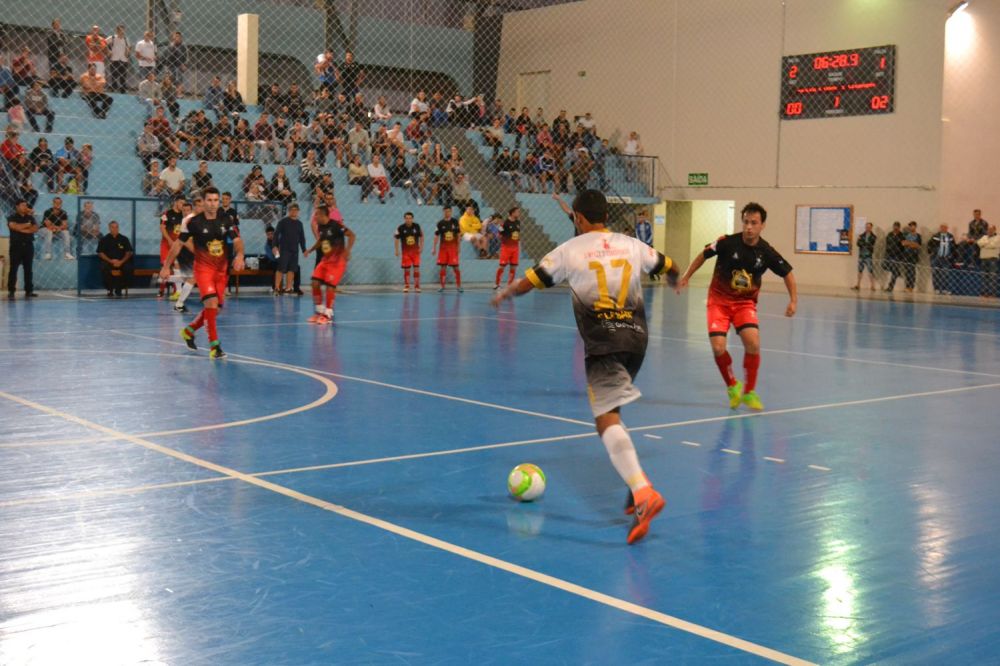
337, 495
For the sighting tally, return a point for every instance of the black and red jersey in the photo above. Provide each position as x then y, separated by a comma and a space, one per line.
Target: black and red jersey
332, 239
510, 233
739, 267
171, 221
448, 231
409, 236
211, 239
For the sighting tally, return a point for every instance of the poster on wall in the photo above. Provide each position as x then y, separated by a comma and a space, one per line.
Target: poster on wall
824, 229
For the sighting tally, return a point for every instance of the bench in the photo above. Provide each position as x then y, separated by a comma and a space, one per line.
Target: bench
246, 272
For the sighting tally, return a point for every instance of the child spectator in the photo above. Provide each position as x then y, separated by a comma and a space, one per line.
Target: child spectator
289, 238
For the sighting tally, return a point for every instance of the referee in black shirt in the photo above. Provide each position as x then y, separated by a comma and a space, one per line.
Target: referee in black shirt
22, 227
115, 251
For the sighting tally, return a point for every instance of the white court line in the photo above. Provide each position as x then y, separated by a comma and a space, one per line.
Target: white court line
847, 359
427, 540
946, 331
732, 452
108, 492
328, 395
774, 460
363, 380
652, 436
687, 443
819, 468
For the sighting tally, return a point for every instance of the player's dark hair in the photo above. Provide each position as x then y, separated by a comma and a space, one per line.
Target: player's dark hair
408, 213
592, 205
293, 205
754, 207
209, 190
227, 193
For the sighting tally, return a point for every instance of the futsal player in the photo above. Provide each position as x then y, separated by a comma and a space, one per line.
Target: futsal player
170, 229
411, 237
446, 237
333, 242
510, 245
741, 260
184, 273
206, 235
603, 270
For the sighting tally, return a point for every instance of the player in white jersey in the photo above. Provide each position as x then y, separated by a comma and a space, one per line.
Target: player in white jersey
604, 272
185, 260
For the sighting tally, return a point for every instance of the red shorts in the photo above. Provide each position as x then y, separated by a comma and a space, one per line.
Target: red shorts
164, 250
411, 258
510, 255
330, 270
448, 254
211, 282
723, 314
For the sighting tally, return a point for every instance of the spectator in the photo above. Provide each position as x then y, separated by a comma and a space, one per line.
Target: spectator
894, 252
912, 242
631, 152
22, 227
241, 147
11, 148
21, 171
281, 188
546, 170
153, 185
268, 261
964, 269
255, 185
55, 222
43, 161
263, 140
359, 110
472, 231
289, 238
169, 145
88, 225
422, 181
561, 123
145, 55
530, 170
173, 177
458, 111
419, 106
989, 255
228, 210
67, 158
232, 101
358, 140
56, 43
16, 115
493, 226
298, 139
120, 52
316, 140
326, 70
8, 86
83, 168
379, 178
978, 226
399, 176
174, 59
643, 230
190, 133
97, 49
381, 110
283, 139
523, 129
168, 96
294, 106
324, 102
115, 252
581, 168
325, 185
493, 136
940, 247
599, 152
92, 91
221, 134
201, 179
61, 79
150, 92
866, 251
309, 171
37, 104
214, 98
461, 193
349, 75
23, 68
508, 167
357, 174
272, 100
587, 121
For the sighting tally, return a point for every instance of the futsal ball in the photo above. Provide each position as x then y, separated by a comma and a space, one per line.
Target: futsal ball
526, 482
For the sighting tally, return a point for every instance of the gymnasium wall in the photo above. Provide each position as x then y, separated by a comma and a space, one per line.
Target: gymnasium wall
700, 82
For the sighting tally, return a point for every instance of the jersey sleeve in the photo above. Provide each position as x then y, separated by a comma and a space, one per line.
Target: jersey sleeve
653, 263
233, 231
398, 233
712, 248
777, 263
185, 233
550, 271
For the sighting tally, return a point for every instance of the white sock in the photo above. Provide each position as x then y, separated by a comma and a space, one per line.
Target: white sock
328, 312
623, 457
185, 292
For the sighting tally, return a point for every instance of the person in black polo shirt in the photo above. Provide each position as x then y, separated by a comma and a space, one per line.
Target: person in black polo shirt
22, 227
115, 252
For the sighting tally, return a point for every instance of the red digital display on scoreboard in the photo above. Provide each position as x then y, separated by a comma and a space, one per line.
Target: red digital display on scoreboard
838, 83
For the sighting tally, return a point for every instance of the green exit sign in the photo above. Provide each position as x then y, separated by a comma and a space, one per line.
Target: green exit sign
697, 179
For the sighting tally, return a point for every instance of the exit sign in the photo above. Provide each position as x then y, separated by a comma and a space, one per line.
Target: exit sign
697, 179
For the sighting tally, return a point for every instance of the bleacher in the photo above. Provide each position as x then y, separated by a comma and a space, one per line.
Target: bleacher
117, 172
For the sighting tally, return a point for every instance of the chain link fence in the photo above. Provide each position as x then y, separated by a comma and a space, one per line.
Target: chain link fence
125, 103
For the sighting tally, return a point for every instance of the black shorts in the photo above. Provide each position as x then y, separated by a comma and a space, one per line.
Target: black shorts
288, 262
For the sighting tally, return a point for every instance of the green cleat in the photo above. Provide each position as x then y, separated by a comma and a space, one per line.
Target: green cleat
188, 338
735, 394
752, 400
216, 351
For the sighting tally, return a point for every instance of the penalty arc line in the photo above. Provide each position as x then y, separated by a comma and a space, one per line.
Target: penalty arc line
427, 540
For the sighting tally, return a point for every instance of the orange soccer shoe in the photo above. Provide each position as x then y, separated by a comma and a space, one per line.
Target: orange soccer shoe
648, 503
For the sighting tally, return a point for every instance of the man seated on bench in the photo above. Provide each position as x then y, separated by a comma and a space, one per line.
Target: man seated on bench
115, 251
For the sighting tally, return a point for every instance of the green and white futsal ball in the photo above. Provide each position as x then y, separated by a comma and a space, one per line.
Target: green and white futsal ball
526, 482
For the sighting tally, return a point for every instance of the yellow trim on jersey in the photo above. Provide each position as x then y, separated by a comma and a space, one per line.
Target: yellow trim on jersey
535, 281
668, 263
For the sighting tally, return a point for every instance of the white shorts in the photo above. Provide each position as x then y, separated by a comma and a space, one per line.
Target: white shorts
609, 380
472, 238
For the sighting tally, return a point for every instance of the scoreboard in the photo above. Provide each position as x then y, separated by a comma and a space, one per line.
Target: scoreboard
857, 82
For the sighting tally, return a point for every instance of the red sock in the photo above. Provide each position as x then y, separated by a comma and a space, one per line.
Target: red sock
725, 363
499, 275
513, 274
751, 362
317, 294
442, 276
210, 315
406, 277
458, 278
198, 322
163, 286
416, 278
331, 294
